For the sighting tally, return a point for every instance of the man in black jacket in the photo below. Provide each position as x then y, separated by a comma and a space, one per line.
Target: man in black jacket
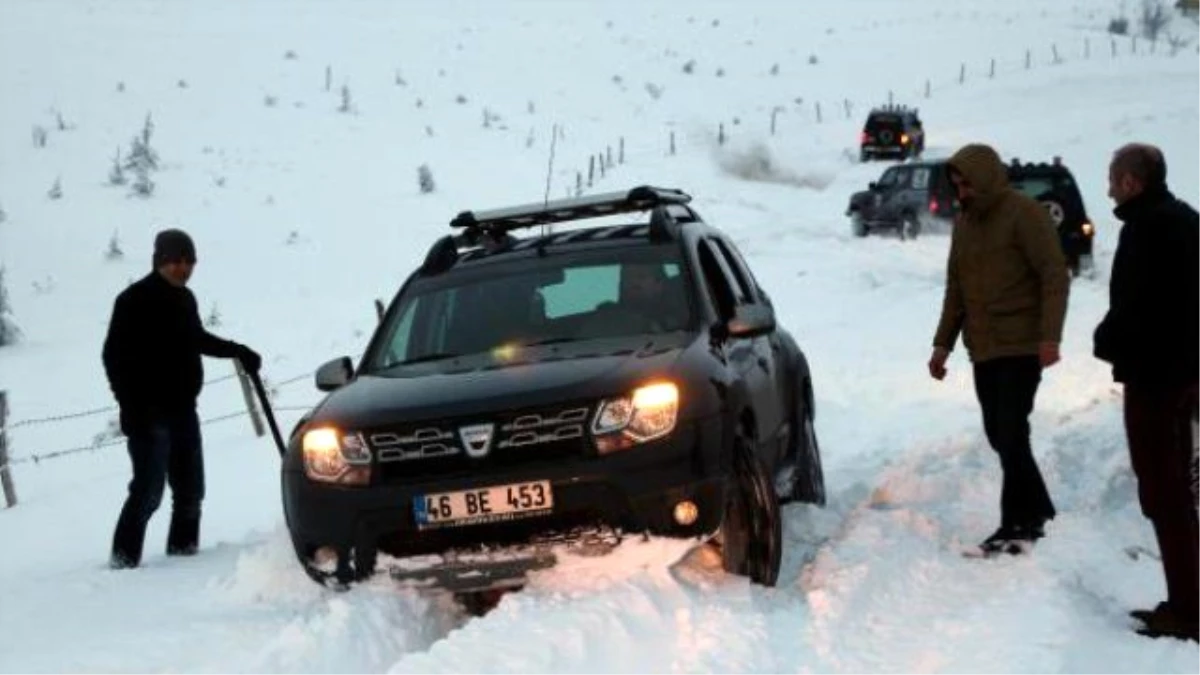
152, 359
1151, 335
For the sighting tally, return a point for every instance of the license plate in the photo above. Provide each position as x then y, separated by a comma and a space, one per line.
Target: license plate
483, 505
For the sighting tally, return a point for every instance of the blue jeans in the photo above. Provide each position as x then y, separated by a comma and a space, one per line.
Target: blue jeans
165, 450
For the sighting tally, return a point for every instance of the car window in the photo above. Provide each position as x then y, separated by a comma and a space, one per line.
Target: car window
744, 282
920, 179
888, 179
716, 281
606, 294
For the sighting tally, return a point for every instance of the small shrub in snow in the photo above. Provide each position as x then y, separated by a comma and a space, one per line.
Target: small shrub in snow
55, 191
114, 251
347, 104
60, 122
529, 108
270, 101
812, 59
460, 99
1154, 18
690, 67
429, 131
425, 179
213, 320
39, 136
9, 333
141, 155
142, 187
116, 175
775, 69
182, 84
655, 90
720, 72
290, 55
400, 82
1118, 26
120, 87
293, 238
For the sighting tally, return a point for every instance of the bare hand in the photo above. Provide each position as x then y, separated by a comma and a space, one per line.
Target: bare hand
1048, 354
937, 363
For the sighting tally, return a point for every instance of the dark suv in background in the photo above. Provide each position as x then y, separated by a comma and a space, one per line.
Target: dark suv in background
904, 199
892, 131
526, 396
1055, 188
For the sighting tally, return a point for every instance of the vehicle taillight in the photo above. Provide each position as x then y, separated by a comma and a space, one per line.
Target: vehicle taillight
933, 206
864, 138
903, 139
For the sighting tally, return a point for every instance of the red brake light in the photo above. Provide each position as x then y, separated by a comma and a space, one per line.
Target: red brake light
865, 137
933, 205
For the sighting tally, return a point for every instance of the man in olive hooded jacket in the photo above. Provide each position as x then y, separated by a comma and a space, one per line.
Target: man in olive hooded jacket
1006, 293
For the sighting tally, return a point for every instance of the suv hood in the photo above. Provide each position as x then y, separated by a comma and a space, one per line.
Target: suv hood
485, 382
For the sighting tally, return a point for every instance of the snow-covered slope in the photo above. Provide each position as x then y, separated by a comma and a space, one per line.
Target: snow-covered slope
304, 214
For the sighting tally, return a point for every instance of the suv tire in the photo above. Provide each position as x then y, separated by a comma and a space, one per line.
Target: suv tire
910, 226
751, 534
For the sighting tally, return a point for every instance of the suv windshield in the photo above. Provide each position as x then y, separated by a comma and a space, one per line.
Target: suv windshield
559, 298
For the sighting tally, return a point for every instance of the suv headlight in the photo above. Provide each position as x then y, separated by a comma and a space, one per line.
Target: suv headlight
332, 456
648, 413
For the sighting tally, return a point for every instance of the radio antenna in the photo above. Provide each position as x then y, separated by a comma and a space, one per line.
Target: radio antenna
550, 171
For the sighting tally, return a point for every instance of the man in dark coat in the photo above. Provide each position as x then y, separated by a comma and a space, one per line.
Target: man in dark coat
152, 359
1151, 336
1006, 293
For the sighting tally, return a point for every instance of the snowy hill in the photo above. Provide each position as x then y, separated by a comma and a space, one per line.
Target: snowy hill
303, 214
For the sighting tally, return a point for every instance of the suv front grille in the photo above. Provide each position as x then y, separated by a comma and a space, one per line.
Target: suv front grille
441, 447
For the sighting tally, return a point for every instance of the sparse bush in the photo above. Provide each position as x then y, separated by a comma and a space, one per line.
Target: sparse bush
425, 179
460, 99
120, 87
142, 187
720, 72
812, 59
655, 90
529, 108
270, 101
290, 55
39, 136
400, 82
690, 67
55, 191
182, 84
1118, 26
429, 131
114, 251
1154, 18
9, 333
62, 123
116, 175
347, 104
213, 320
141, 155
775, 69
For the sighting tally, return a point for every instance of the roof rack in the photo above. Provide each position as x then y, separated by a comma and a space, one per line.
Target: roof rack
640, 198
490, 229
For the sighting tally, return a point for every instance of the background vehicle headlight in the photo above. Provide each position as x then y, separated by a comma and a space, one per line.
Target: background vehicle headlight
331, 456
650, 412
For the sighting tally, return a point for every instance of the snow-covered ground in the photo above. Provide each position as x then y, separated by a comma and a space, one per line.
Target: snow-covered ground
303, 215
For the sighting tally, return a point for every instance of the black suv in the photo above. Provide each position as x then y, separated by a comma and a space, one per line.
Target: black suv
1053, 185
522, 397
904, 197
892, 131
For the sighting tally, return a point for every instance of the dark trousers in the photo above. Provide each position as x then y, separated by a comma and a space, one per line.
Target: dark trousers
1158, 424
165, 451
1006, 388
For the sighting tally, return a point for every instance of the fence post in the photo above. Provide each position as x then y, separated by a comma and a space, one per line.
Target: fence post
608, 156
1028, 59
248, 393
601, 163
889, 97
849, 109
10, 493
591, 169
721, 134
578, 184
1087, 48
1054, 48
928, 89
621, 152
328, 77
818, 104
1114, 47
962, 73
1133, 45
992, 70
672, 142
774, 114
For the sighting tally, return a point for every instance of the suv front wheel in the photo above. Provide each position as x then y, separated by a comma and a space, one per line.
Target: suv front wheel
751, 534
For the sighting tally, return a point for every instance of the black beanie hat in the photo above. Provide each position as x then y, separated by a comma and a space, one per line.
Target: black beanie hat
173, 246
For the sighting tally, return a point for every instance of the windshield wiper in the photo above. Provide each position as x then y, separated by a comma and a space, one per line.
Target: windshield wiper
436, 356
550, 341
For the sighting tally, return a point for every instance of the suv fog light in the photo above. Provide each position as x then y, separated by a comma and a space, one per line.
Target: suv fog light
686, 512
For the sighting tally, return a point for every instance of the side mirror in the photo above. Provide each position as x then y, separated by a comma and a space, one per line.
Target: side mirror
751, 321
873, 185
335, 374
